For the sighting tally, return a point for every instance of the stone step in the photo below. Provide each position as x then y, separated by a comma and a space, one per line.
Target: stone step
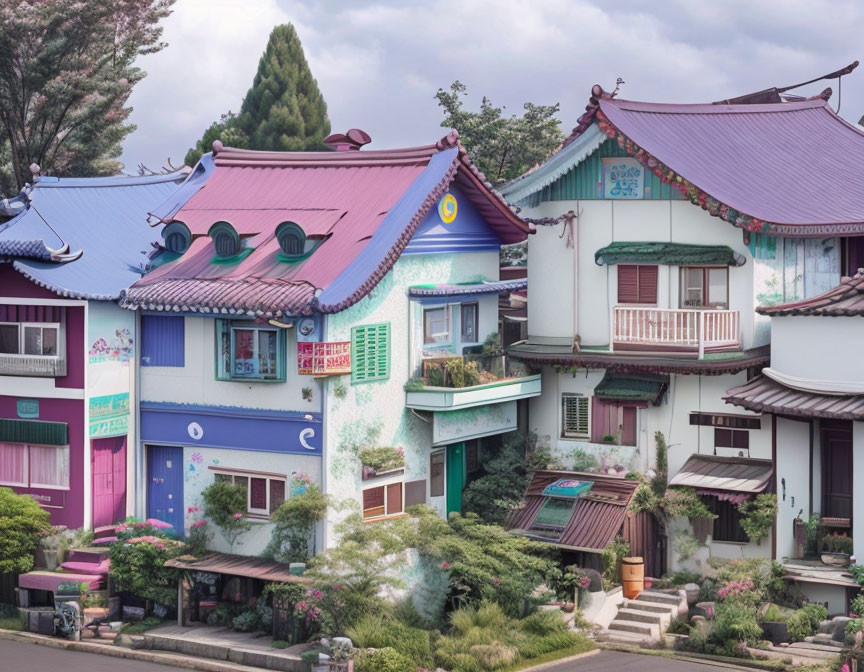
654, 607
623, 637
94, 555
833, 648
658, 597
628, 614
645, 629
825, 640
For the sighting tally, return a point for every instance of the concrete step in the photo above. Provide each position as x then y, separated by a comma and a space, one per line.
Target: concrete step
628, 614
657, 608
658, 597
645, 629
825, 640
623, 637
832, 649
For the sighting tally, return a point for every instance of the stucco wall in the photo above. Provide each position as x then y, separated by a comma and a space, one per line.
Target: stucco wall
374, 414
195, 383
818, 348
793, 481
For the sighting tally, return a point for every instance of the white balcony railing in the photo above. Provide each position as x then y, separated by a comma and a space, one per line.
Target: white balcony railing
636, 328
22, 365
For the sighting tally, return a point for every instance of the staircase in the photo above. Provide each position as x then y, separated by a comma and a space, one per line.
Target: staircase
643, 620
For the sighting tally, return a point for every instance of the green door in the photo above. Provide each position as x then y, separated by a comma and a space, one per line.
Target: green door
455, 477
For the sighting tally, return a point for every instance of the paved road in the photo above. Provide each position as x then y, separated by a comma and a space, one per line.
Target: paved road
19, 657
614, 661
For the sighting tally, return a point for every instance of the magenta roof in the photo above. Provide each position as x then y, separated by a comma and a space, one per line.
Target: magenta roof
790, 168
844, 300
363, 205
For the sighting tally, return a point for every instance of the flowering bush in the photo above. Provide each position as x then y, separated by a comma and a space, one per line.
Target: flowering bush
137, 566
735, 588
198, 536
225, 505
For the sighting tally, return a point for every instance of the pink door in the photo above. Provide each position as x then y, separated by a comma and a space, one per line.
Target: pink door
109, 480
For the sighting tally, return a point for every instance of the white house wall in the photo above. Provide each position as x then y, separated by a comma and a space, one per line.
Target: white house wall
793, 481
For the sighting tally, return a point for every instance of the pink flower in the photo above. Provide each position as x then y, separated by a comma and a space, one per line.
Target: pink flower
193, 509
585, 581
845, 667
496, 581
238, 516
200, 523
445, 565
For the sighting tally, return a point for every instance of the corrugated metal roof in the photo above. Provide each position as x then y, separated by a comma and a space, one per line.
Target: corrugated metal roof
596, 519
103, 218
366, 203
238, 565
845, 300
764, 395
733, 474
468, 288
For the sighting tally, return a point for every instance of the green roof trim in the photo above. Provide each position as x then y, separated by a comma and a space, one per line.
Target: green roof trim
673, 254
639, 389
236, 259
34, 431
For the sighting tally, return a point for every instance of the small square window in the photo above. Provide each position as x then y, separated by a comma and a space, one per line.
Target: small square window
574, 416
554, 513
9, 339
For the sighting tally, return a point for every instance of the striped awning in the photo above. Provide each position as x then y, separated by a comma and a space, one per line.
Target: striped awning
673, 254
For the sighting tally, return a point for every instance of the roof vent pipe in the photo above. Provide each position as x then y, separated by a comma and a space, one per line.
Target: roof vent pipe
351, 141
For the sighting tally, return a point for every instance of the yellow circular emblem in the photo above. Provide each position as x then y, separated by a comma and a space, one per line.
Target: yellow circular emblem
447, 208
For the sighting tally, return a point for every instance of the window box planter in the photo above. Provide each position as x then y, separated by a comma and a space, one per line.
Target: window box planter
370, 473
835, 559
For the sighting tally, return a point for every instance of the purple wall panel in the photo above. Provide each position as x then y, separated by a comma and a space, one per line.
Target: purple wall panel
15, 284
75, 349
71, 502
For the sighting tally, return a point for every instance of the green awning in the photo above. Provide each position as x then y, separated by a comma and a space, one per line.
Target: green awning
34, 431
645, 389
673, 254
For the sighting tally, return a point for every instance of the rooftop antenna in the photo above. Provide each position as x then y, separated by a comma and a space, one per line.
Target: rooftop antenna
618, 83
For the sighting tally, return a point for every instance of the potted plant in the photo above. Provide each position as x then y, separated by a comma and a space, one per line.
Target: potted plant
773, 622
837, 548
379, 461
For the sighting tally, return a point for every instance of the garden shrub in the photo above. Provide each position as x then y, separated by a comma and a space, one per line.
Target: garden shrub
494, 655
225, 505
758, 515
293, 524
611, 558
805, 622
737, 622
138, 566
556, 641
378, 631
258, 618
22, 523
11, 618
383, 660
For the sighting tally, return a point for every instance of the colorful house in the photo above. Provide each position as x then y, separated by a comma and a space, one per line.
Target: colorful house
642, 307
294, 297
814, 391
67, 369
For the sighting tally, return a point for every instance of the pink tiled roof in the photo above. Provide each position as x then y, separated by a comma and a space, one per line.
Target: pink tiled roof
763, 395
365, 205
844, 300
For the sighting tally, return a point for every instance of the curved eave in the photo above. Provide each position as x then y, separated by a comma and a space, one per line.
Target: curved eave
763, 395
713, 206
62, 291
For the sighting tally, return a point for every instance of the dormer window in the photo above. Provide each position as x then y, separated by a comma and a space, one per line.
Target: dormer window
225, 240
292, 240
177, 237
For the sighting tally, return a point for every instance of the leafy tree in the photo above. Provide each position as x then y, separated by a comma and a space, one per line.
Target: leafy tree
283, 111
66, 73
502, 147
225, 505
22, 522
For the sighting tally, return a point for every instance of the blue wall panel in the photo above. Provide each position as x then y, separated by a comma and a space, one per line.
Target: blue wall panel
162, 340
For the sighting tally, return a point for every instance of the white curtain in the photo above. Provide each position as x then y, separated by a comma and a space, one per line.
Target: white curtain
13, 464
49, 466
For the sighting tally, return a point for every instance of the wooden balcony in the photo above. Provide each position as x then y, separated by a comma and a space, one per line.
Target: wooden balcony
683, 330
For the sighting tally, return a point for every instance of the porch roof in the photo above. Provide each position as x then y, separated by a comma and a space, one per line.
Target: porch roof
466, 288
673, 254
597, 516
764, 395
238, 565
645, 389
730, 474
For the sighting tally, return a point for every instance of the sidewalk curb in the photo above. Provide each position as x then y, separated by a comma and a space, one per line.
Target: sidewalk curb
552, 663
701, 659
144, 655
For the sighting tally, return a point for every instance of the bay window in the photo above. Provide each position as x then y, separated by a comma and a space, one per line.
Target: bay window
249, 351
32, 466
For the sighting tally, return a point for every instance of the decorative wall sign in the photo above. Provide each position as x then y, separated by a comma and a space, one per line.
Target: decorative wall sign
447, 208
623, 178
195, 431
324, 359
109, 415
27, 408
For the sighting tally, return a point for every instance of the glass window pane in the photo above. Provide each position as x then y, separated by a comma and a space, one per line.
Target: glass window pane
691, 287
718, 293
267, 353
469, 323
32, 340
435, 326
555, 512
243, 482
244, 355
9, 339
49, 341
436, 475
49, 466
258, 494
277, 494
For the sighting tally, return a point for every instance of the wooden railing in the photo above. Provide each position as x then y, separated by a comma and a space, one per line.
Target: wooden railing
671, 328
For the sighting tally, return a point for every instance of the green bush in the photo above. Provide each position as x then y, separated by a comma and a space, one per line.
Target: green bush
11, 618
382, 458
758, 515
293, 524
384, 660
381, 631
22, 523
540, 645
805, 622
735, 622
225, 505
138, 566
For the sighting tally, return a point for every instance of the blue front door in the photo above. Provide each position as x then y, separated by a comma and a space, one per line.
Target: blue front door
165, 485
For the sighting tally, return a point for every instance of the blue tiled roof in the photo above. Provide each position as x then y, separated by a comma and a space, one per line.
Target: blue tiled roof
104, 218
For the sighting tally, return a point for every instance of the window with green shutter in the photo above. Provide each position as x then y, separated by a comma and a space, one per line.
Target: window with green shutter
370, 353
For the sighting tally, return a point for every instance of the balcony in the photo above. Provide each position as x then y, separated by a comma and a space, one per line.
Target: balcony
23, 365
457, 382
687, 331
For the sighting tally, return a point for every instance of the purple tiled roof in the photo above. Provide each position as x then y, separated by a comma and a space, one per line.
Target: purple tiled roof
363, 205
844, 300
763, 395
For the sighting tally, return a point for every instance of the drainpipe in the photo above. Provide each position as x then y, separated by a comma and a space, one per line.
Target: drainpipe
573, 241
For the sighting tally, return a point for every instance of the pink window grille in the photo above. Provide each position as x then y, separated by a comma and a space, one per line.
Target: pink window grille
13, 464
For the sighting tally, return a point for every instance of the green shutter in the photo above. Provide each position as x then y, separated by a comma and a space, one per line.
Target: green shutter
370, 353
34, 431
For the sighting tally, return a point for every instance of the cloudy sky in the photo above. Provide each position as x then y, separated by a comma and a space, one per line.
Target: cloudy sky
379, 64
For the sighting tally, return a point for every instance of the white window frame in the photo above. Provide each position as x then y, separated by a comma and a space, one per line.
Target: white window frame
255, 352
386, 487
448, 318
42, 325
575, 434
235, 473
28, 463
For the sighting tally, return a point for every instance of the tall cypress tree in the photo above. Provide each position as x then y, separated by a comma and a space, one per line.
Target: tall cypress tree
284, 110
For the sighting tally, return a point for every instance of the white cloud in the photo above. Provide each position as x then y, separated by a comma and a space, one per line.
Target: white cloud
379, 63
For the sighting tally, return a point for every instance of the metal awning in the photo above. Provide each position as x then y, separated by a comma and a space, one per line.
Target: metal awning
644, 389
34, 431
468, 288
238, 565
729, 474
673, 254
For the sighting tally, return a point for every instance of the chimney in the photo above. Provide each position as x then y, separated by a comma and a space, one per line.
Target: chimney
351, 141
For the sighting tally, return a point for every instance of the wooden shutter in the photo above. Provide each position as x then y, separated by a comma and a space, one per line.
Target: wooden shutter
628, 424
370, 353
394, 498
604, 420
637, 284
574, 415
